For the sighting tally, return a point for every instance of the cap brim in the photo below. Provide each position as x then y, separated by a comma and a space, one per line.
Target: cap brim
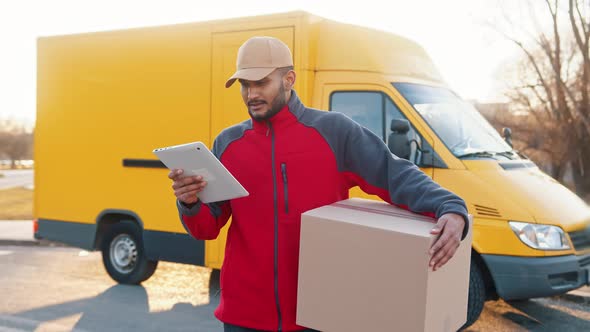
249, 74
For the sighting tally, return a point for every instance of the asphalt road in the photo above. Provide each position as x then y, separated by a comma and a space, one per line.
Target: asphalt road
16, 178
66, 289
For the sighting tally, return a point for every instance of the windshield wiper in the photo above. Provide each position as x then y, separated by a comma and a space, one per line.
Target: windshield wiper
507, 154
476, 154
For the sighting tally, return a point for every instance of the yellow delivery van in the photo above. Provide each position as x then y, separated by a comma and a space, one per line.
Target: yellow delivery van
107, 99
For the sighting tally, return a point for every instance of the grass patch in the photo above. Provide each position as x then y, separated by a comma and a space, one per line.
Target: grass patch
16, 204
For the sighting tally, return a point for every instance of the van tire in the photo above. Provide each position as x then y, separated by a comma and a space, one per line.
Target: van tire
123, 254
477, 294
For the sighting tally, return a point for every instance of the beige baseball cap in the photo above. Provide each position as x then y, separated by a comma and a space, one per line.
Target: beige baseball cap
258, 57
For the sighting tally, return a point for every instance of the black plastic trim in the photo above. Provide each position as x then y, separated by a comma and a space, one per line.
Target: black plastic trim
174, 247
165, 246
529, 277
76, 234
517, 165
143, 163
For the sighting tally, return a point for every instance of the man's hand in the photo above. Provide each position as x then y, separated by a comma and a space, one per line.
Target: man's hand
186, 188
451, 226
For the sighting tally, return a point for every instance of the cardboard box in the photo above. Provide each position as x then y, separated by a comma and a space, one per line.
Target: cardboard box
363, 266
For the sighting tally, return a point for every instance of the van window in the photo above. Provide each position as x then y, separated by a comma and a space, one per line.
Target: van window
373, 110
364, 107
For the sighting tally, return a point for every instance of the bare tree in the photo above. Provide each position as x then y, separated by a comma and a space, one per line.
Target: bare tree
16, 143
553, 88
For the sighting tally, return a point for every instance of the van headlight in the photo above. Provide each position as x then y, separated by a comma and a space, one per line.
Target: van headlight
543, 237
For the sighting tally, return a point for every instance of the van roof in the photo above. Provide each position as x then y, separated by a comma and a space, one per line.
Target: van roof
350, 47
334, 46
342, 46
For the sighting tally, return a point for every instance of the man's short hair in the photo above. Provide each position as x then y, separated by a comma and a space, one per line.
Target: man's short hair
284, 70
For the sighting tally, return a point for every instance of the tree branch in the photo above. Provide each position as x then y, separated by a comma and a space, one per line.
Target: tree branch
583, 45
543, 100
538, 71
586, 32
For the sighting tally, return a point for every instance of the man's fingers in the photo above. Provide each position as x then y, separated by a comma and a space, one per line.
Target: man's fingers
448, 242
437, 256
186, 189
444, 254
442, 240
174, 173
194, 187
450, 252
189, 198
443, 261
186, 181
440, 224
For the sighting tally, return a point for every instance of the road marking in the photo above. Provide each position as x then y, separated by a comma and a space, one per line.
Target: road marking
6, 252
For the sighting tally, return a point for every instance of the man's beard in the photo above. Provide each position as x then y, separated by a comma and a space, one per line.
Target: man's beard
277, 105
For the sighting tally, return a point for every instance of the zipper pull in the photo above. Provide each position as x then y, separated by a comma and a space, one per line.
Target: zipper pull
284, 171
268, 130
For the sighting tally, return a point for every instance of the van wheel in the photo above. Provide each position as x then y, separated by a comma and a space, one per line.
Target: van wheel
123, 254
477, 294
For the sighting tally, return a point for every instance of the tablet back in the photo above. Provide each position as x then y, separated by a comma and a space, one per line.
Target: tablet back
196, 159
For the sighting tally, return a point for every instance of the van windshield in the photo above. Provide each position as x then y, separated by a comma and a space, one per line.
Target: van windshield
457, 123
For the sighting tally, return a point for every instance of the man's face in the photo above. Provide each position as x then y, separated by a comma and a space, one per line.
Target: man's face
266, 97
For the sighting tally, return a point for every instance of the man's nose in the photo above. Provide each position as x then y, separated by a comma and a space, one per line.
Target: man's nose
253, 92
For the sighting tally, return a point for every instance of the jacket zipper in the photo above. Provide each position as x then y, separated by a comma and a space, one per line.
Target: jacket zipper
285, 186
276, 215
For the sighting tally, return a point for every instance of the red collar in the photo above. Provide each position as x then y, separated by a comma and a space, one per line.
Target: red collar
280, 120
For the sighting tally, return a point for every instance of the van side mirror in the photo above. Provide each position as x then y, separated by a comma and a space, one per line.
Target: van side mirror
398, 141
507, 133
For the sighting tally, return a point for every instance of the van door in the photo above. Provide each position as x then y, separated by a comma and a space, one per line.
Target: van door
373, 107
227, 106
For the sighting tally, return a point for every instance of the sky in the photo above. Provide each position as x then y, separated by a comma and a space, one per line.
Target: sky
456, 34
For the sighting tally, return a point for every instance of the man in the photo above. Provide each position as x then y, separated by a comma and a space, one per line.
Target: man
292, 159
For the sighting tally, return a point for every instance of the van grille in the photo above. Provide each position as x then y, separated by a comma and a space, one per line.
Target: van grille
486, 211
580, 239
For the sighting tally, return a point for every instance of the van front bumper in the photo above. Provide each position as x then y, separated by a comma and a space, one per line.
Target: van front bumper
528, 277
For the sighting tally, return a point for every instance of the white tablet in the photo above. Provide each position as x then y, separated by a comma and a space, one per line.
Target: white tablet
196, 159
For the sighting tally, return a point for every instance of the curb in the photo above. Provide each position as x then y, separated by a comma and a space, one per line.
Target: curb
18, 243
31, 243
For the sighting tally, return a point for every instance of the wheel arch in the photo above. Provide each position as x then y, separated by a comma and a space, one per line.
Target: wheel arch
109, 217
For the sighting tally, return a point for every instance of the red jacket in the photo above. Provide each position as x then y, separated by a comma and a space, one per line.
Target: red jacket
299, 160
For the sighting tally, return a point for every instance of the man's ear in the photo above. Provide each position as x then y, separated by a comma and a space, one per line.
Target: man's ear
289, 79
